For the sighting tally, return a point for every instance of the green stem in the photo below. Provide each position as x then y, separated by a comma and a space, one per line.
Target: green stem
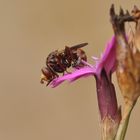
124, 123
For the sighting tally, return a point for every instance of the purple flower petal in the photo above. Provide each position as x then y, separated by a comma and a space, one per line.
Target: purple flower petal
83, 72
108, 59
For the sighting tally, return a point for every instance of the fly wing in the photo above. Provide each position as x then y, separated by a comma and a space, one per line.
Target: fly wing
75, 47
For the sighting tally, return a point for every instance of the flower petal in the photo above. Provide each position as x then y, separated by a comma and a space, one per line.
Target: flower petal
108, 58
82, 72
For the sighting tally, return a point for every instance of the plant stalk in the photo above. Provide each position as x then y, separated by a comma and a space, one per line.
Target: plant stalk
124, 122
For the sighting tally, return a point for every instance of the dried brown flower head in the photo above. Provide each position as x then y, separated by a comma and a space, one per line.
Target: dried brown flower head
128, 53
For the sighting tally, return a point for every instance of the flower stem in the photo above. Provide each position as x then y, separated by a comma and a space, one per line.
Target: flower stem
124, 122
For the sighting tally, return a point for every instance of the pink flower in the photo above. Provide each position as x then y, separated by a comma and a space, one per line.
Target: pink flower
102, 71
106, 62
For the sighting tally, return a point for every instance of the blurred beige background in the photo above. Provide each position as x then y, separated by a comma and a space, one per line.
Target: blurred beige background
29, 30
